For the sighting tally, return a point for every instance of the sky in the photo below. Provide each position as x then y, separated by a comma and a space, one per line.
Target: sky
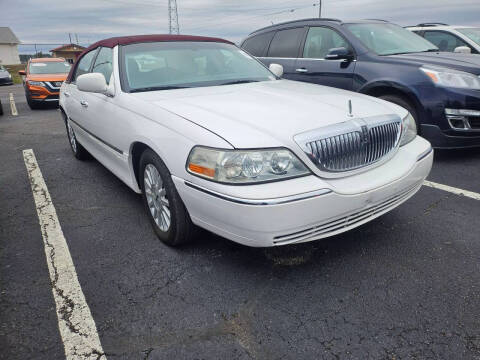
50, 21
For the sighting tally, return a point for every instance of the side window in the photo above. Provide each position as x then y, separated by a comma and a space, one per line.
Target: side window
257, 45
103, 63
320, 40
84, 64
285, 43
443, 40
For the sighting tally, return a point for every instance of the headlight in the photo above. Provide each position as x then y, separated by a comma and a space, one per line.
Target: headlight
452, 78
409, 129
36, 83
244, 166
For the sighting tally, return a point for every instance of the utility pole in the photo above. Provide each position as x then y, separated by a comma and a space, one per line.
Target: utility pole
173, 17
320, 8
76, 37
70, 37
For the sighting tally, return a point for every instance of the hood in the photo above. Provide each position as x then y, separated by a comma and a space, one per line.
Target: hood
269, 113
47, 77
463, 62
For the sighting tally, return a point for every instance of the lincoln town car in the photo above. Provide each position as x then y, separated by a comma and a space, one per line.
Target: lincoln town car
212, 138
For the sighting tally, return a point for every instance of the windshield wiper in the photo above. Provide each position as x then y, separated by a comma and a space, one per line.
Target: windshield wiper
239, 82
432, 50
154, 88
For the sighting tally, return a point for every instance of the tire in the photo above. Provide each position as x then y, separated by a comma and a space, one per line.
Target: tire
1, 109
405, 104
32, 103
160, 198
78, 150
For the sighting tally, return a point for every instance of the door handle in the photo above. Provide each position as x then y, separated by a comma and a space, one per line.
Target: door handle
67, 94
84, 103
301, 70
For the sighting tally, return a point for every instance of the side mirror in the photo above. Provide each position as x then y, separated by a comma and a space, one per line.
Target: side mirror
277, 69
340, 53
22, 73
463, 50
92, 82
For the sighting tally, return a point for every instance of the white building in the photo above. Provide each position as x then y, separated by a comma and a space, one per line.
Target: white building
8, 47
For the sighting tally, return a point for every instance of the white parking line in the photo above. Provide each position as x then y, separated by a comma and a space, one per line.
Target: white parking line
13, 107
77, 327
453, 190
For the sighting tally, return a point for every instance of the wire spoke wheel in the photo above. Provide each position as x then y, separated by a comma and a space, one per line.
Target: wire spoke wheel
156, 197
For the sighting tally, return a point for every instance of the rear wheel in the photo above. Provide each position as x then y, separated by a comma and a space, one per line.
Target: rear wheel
405, 104
165, 209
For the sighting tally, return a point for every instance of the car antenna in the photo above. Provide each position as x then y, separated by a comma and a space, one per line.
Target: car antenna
350, 111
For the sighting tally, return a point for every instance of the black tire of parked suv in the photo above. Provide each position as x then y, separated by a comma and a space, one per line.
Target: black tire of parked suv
405, 104
181, 229
1, 109
79, 151
32, 103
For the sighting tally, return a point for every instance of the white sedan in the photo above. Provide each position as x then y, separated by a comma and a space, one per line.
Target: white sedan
212, 138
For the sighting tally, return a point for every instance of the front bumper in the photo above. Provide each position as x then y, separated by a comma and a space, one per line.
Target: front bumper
437, 128
6, 81
43, 94
300, 217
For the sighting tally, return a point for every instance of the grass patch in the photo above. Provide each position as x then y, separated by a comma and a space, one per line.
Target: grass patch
13, 70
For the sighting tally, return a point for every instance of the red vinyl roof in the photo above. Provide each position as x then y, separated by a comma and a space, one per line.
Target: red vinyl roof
125, 40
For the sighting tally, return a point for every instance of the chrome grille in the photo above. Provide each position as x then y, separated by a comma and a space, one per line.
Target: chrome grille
353, 144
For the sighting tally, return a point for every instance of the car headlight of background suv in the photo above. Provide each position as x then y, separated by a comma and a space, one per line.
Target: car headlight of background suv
36, 83
409, 129
244, 166
452, 78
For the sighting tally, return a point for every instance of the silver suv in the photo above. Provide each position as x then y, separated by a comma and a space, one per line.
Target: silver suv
459, 39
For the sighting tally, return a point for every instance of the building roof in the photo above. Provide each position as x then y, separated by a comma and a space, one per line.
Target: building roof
66, 47
7, 36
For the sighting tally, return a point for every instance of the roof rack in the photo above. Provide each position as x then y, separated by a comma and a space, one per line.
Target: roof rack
378, 20
294, 21
431, 24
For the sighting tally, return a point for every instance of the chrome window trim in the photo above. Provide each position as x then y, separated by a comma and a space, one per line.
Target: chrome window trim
261, 202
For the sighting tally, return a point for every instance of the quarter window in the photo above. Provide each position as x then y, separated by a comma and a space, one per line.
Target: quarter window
103, 63
83, 66
285, 43
443, 40
257, 45
320, 40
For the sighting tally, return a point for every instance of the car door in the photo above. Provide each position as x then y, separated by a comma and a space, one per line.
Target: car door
284, 49
312, 66
74, 98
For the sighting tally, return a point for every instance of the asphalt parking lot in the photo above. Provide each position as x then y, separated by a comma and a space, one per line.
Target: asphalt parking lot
405, 286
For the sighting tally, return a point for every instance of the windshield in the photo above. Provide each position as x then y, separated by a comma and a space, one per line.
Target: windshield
167, 65
472, 33
389, 39
49, 67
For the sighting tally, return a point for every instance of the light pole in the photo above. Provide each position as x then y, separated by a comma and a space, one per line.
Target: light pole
319, 8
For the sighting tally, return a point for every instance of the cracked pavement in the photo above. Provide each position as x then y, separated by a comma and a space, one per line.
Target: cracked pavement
405, 286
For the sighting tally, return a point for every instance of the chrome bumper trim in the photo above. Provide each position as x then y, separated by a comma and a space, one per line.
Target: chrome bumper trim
425, 154
273, 201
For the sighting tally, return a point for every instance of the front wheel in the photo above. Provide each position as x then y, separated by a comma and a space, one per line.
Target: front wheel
78, 150
165, 209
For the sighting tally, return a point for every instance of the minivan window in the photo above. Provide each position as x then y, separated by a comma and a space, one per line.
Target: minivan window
257, 45
472, 33
181, 64
83, 66
443, 40
320, 40
103, 63
285, 43
389, 39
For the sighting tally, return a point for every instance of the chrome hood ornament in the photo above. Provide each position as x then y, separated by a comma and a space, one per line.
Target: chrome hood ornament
350, 110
